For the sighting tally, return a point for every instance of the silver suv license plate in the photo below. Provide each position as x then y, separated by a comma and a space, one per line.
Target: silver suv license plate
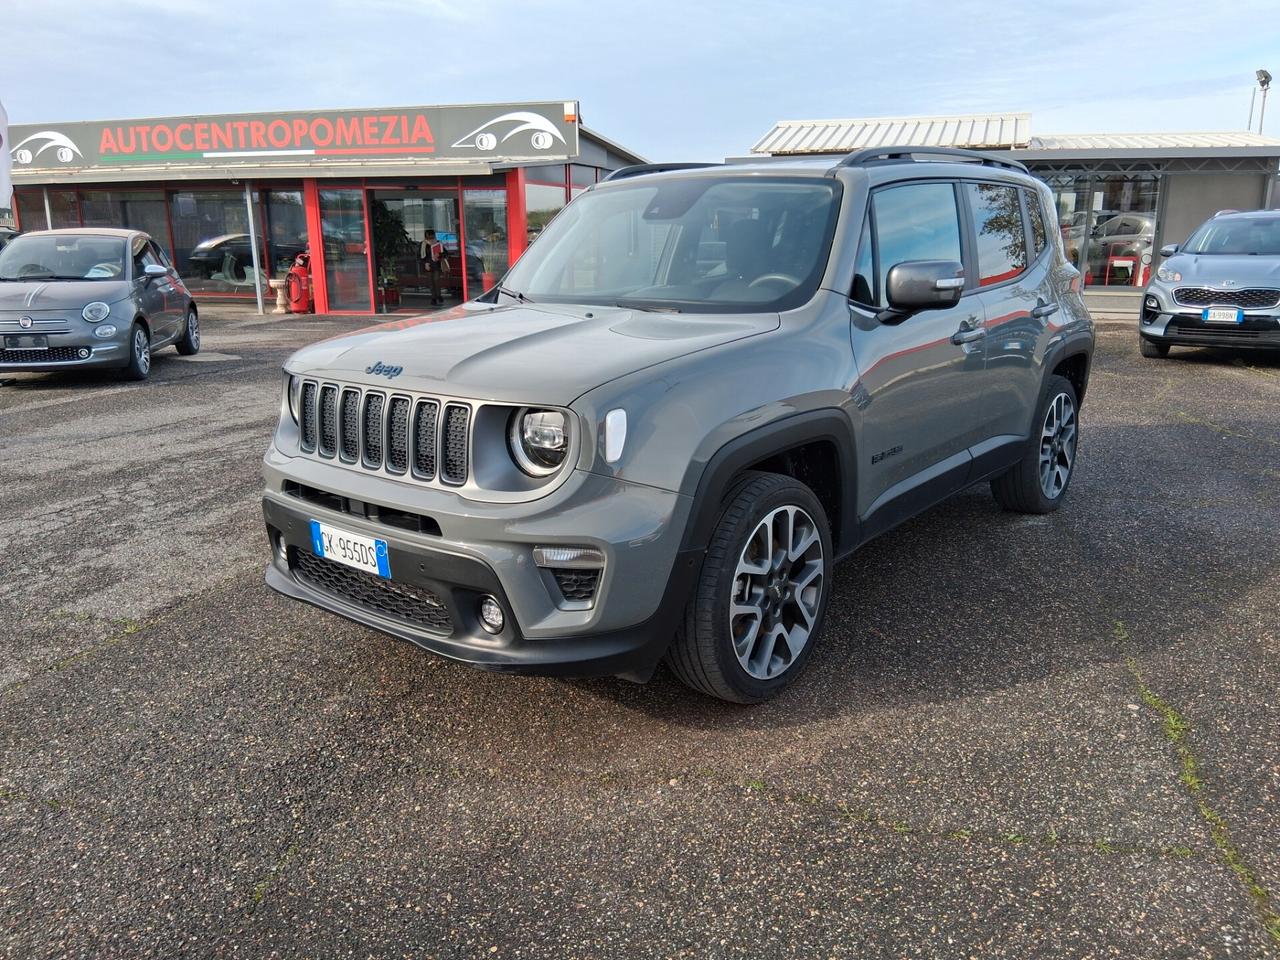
364, 553
1224, 315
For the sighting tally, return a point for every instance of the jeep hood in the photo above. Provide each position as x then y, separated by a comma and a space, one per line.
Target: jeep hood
1215, 270
533, 353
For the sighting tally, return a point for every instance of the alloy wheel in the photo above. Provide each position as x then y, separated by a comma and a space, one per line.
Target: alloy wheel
142, 349
777, 592
193, 328
1057, 446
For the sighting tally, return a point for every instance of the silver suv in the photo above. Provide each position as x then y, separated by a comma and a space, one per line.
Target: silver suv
1219, 289
701, 387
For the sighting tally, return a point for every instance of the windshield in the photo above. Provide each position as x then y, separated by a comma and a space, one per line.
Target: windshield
62, 257
1248, 236
749, 244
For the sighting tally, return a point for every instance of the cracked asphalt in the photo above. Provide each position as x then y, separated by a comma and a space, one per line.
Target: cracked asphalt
193, 766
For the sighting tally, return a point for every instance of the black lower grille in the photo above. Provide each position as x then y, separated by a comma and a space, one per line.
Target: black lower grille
1225, 332
1251, 298
576, 585
416, 606
52, 355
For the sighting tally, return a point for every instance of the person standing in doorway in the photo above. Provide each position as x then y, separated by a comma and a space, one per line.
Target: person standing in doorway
434, 261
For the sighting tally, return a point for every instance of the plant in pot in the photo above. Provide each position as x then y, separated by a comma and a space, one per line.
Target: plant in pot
390, 242
492, 261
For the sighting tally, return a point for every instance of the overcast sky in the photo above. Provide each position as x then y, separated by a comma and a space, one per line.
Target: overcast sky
672, 80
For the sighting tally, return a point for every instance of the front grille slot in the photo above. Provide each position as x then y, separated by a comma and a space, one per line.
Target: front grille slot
1224, 332
424, 439
453, 466
398, 435
308, 414
51, 355
372, 429
1252, 298
408, 603
328, 420
350, 438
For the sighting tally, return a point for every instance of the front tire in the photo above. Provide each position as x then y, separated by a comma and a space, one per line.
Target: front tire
1038, 482
139, 365
761, 594
189, 344
1152, 350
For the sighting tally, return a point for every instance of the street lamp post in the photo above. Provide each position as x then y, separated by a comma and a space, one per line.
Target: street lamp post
1264, 81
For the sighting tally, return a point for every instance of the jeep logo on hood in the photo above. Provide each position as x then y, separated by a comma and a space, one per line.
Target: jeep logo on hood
381, 369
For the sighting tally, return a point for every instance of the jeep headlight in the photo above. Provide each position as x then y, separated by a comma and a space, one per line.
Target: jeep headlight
96, 312
539, 440
295, 397
1167, 275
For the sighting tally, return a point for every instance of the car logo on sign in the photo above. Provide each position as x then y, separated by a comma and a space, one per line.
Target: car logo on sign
25, 323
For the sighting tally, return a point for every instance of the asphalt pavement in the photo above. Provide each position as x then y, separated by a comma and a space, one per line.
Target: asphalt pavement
1020, 737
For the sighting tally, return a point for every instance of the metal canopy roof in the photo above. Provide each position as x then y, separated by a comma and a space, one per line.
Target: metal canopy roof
1150, 141
975, 131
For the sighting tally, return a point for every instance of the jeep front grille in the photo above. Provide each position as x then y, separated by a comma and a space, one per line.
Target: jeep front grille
1252, 298
393, 434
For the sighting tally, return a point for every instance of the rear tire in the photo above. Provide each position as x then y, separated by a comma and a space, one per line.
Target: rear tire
139, 365
1038, 482
1152, 350
761, 594
189, 344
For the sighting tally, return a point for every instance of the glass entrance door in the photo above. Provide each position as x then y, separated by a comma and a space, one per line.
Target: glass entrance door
401, 220
346, 256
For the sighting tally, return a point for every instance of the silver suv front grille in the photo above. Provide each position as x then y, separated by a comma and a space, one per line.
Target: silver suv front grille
1250, 298
392, 433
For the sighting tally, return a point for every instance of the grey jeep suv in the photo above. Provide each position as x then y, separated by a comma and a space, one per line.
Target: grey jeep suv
1219, 289
696, 391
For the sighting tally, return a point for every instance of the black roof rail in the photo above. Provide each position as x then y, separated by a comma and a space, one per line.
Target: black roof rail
640, 169
896, 154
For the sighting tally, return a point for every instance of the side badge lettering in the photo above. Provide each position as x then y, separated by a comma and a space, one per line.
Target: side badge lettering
891, 452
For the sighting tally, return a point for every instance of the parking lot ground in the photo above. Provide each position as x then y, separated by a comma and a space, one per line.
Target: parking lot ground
1021, 737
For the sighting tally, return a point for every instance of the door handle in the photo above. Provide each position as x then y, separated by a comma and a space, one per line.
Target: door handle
969, 331
1042, 310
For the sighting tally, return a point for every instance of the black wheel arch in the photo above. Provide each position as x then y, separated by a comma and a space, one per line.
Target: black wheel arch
772, 444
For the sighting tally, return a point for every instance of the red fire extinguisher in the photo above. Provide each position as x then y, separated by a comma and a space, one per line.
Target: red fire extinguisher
299, 285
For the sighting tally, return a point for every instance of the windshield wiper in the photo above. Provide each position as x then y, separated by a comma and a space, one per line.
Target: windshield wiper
513, 294
648, 306
51, 276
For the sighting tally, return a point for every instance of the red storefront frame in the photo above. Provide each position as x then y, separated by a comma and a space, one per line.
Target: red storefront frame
513, 187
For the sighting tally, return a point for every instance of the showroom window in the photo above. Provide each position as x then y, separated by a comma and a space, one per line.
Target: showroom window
211, 241
1118, 255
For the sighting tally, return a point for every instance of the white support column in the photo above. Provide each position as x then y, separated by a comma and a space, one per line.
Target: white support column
253, 244
48, 210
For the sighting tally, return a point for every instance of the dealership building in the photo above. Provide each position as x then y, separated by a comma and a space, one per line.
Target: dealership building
1120, 197
233, 199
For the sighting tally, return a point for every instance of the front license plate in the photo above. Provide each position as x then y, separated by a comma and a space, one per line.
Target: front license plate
18, 341
364, 553
1223, 315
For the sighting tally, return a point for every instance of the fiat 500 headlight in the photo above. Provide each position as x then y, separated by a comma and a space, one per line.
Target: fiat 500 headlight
539, 440
96, 312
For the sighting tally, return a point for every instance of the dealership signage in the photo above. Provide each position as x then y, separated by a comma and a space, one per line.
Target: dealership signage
491, 132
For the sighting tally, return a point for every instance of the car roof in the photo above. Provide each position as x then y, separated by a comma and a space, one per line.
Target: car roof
1246, 215
89, 232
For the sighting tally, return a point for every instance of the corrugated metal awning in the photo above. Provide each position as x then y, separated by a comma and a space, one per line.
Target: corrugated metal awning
1150, 141
975, 131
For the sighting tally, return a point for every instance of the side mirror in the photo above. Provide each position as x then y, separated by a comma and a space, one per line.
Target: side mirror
1168, 250
153, 270
916, 285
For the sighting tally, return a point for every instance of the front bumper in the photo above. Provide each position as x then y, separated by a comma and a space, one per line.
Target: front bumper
1170, 323
68, 350
486, 550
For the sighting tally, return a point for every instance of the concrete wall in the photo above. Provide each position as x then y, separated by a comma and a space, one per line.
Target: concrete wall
1192, 198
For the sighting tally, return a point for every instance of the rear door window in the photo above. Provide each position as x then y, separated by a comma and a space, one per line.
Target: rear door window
997, 227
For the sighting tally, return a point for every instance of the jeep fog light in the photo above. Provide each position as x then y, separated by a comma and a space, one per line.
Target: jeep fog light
491, 616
